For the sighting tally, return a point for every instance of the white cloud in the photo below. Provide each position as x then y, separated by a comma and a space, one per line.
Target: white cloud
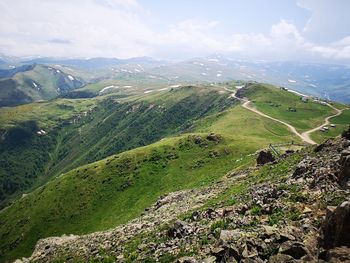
88, 27
329, 19
118, 3
117, 28
286, 42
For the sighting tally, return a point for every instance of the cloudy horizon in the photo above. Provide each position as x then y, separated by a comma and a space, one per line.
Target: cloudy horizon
304, 30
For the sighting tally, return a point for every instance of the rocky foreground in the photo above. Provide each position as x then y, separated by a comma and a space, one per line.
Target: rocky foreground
294, 209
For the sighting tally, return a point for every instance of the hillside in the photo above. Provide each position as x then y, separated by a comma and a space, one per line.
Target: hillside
286, 106
342, 122
320, 80
295, 209
202, 134
78, 132
112, 191
34, 83
140, 176
326, 81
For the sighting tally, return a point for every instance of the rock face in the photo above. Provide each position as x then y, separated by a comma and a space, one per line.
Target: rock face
336, 227
346, 134
344, 162
273, 216
265, 157
330, 170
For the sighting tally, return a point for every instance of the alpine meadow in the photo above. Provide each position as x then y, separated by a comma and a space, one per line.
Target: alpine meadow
188, 131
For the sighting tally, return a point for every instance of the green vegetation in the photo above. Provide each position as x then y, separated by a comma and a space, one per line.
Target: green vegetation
47, 115
278, 103
103, 194
245, 129
342, 122
110, 192
84, 131
239, 192
36, 83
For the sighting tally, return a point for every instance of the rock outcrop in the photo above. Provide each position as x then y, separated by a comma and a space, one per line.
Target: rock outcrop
336, 226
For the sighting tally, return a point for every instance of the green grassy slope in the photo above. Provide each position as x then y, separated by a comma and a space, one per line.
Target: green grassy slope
275, 103
112, 191
342, 122
38, 83
83, 131
114, 127
245, 129
47, 115
25, 155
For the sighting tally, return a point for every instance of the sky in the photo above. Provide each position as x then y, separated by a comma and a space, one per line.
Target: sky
301, 30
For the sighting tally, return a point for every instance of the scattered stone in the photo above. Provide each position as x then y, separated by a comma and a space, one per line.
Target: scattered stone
198, 140
338, 254
294, 249
210, 259
179, 229
270, 230
282, 258
187, 260
307, 210
230, 235
213, 137
195, 215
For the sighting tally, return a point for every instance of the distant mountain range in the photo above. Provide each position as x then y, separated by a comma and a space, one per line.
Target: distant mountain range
30, 83
322, 80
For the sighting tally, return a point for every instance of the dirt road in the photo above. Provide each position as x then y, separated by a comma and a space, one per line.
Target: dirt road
305, 136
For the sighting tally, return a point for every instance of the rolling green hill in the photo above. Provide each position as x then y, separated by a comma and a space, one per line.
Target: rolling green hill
88, 172
342, 122
78, 132
278, 103
36, 83
112, 191
117, 189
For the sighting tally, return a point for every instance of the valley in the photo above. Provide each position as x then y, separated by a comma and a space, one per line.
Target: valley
136, 131
112, 147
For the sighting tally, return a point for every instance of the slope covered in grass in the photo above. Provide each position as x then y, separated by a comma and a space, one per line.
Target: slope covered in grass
245, 129
83, 131
37, 83
106, 193
342, 122
276, 102
112, 191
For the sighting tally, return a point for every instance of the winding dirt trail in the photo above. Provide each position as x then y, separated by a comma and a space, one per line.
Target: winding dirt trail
248, 105
305, 136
